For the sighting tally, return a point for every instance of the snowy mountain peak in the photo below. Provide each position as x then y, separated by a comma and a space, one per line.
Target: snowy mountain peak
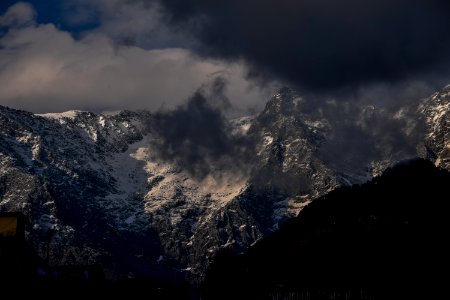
286, 102
71, 114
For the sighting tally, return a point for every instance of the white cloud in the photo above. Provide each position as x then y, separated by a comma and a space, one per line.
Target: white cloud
43, 69
19, 14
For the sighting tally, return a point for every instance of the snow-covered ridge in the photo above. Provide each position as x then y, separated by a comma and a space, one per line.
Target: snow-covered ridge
71, 114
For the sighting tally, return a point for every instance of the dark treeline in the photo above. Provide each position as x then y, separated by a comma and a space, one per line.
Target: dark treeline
381, 240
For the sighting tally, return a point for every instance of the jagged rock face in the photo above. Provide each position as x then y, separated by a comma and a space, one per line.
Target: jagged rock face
436, 112
289, 156
95, 191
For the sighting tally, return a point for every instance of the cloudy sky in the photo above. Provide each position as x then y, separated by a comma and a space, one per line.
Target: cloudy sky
104, 55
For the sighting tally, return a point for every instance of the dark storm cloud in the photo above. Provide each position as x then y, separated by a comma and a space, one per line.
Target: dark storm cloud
199, 138
320, 43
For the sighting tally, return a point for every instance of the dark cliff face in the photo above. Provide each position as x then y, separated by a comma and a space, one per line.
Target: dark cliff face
382, 239
290, 161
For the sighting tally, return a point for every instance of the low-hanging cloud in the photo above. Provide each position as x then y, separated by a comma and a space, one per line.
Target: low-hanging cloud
46, 69
320, 44
198, 136
362, 134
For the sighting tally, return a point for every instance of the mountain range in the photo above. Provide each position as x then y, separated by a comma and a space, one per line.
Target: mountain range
101, 189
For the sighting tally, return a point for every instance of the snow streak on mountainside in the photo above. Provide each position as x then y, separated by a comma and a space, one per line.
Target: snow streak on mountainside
96, 191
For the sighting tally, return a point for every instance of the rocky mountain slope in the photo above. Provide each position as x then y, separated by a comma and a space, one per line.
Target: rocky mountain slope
436, 113
95, 190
